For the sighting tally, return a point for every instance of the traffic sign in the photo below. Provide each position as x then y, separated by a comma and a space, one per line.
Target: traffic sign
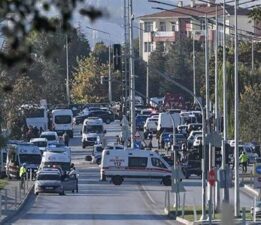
212, 177
214, 139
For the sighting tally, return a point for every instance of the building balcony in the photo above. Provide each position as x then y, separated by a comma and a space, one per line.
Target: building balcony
162, 36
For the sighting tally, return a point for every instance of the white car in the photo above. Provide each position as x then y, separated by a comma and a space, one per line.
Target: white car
191, 137
197, 141
51, 136
40, 142
150, 125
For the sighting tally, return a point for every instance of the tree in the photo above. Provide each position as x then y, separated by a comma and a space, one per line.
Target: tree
157, 60
86, 86
250, 121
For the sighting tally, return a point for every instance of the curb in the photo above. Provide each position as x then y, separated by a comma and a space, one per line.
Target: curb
23, 202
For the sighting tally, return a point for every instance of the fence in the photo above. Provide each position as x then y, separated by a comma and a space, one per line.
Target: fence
13, 195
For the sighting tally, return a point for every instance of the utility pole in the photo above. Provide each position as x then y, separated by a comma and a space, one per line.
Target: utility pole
207, 123
67, 70
194, 66
236, 124
126, 49
147, 84
217, 120
252, 56
223, 147
109, 86
132, 76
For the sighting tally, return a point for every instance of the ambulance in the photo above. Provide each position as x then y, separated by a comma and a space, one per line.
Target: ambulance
22, 152
134, 163
56, 159
92, 131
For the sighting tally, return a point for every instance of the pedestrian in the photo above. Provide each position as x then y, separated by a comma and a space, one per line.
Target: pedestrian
243, 160
66, 138
22, 174
74, 173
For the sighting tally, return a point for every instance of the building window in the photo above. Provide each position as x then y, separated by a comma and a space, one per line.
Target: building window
173, 26
147, 47
148, 26
162, 26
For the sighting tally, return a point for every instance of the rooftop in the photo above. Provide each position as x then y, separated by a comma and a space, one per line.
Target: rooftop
198, 10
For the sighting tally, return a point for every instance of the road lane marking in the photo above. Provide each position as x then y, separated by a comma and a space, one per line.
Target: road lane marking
148, 194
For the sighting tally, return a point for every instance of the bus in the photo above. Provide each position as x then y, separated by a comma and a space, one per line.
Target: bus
35, 116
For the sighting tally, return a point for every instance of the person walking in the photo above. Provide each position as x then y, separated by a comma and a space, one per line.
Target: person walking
243, 160
22, 174
66, 138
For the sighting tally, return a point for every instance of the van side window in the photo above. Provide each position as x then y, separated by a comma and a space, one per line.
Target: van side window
138, 162
157, 163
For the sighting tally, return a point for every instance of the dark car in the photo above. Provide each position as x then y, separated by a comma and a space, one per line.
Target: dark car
140, 121
106, 116
192, 167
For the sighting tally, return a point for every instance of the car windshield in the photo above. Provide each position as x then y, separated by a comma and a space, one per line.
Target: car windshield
49, 137
40, 143
63, 119
30, 158
48, 177
93, 129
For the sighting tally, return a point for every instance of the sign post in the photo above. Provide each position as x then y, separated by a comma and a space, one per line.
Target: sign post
211, 180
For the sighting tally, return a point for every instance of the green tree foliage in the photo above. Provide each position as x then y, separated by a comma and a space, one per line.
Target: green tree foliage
250, 120
101, 52
157, 61
255, 14
86, 86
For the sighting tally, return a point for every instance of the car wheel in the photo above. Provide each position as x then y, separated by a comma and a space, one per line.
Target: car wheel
107, 121
166, 181
117, 180
72, 191
36, 193
83, 145
98, 161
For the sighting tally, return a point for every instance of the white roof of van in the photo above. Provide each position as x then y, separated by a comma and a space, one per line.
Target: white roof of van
132, 152
49, 133
38, 140
93, 121
55, 157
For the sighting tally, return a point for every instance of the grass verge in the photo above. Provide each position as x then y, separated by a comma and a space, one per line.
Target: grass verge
3, 183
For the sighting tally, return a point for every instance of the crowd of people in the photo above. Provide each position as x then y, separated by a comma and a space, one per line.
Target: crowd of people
29, 132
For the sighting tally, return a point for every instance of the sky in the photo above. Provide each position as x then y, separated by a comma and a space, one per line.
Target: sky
114, 23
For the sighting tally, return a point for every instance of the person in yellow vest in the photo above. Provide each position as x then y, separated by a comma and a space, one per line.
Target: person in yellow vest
243, 160
22, 173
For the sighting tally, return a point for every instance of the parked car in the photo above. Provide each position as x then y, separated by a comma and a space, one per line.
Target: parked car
150, 126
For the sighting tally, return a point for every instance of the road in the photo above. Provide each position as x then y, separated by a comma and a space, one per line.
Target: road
133, 202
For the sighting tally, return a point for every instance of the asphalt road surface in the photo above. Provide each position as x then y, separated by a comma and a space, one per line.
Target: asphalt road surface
97, 202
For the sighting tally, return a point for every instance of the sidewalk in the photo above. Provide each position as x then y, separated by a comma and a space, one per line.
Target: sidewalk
13, 198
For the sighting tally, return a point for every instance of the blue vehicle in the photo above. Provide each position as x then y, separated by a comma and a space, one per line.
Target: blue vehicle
140, 121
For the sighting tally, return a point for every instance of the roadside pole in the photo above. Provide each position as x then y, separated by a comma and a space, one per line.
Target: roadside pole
132, 76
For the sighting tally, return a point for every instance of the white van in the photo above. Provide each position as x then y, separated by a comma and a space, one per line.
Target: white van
165, 121
58, 148
62, 120
19, 153
132, 163
54, 159
92, 131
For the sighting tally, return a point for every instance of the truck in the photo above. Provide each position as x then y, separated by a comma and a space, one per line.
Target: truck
165, 121
22, 152
92, 131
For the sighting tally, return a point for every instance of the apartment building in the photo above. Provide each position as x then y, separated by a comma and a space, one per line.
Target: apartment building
166, 27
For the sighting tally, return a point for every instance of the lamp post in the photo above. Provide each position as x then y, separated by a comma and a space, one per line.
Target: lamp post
67, 71
132, 76
236, 122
